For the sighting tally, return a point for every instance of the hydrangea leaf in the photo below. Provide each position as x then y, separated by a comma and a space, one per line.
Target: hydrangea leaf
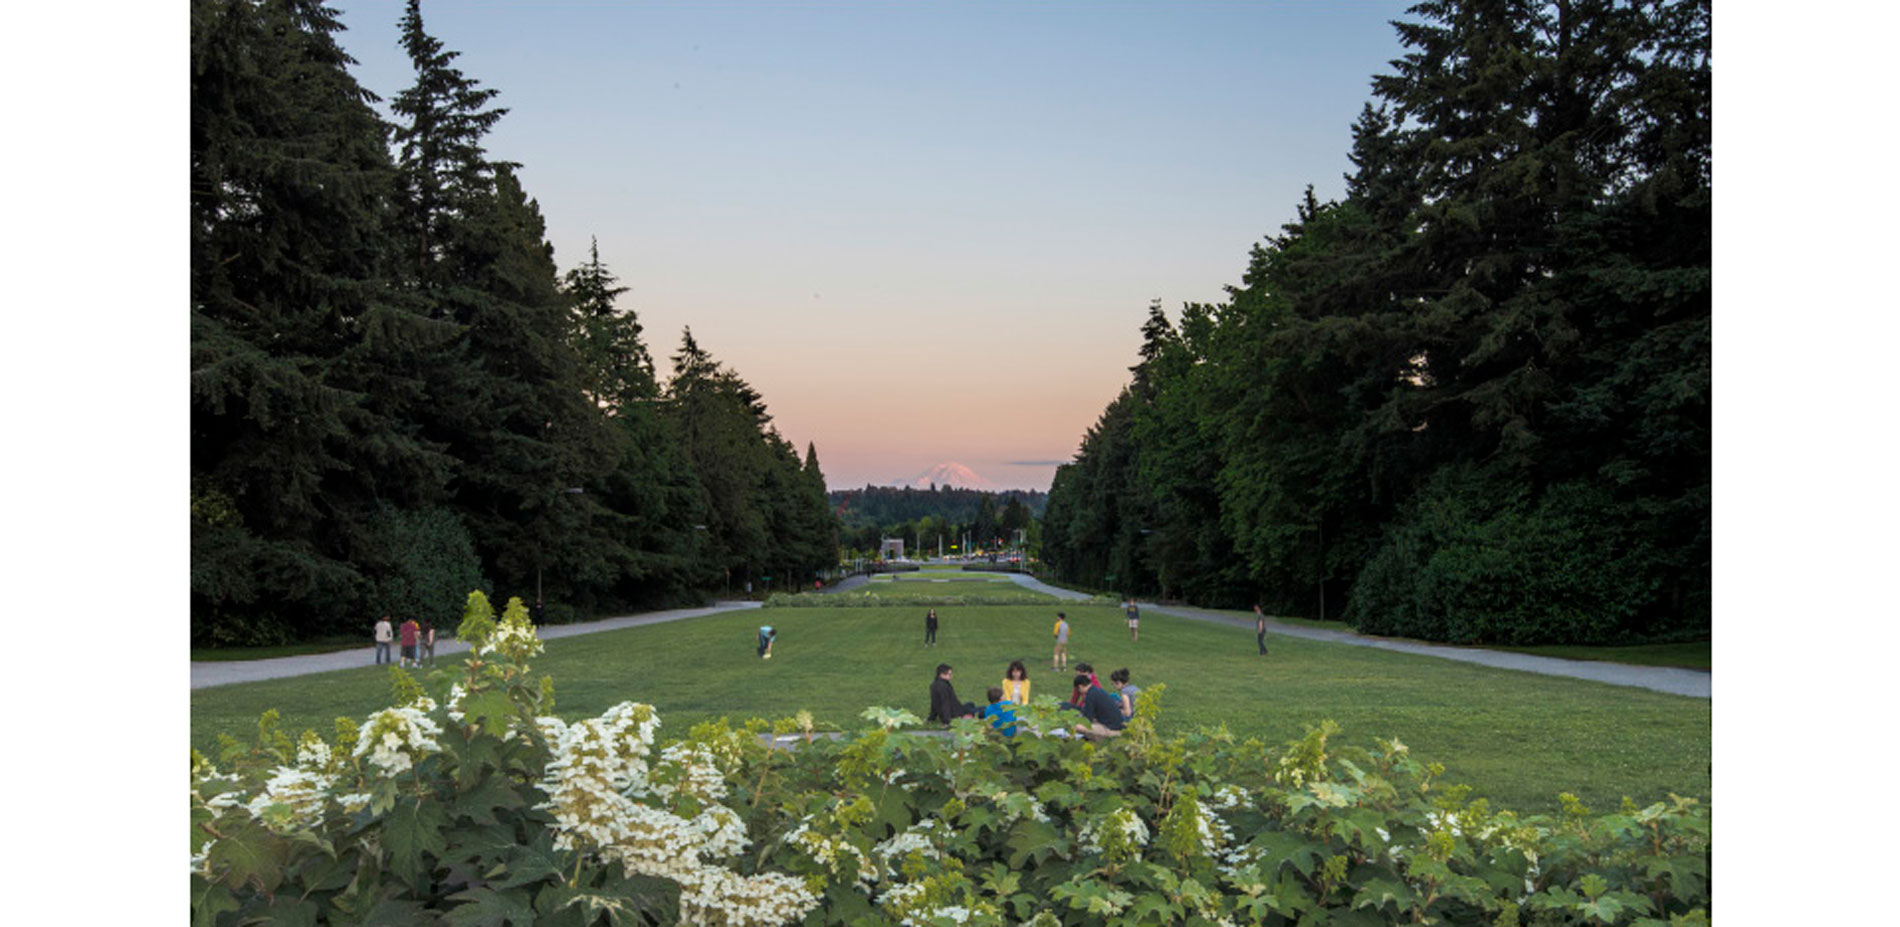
412, 829
491, 709
249, 853
486, 907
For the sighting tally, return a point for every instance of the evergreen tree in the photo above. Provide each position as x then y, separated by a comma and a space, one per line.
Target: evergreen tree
293, 452
508, 398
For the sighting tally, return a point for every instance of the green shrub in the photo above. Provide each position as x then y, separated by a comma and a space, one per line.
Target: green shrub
1469, 567
421, 563
467, 803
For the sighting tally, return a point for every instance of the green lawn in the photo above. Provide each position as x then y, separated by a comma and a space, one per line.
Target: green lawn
1518, 738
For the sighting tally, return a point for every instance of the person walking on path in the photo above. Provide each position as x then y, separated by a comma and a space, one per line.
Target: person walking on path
411, 633
428, 641
1260, 628
930, 629
1134, 618
1016, 683
1060, 659
384, 635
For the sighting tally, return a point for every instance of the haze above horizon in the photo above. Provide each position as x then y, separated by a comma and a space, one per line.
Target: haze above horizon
924, 233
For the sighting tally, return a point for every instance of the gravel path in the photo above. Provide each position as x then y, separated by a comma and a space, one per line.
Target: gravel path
219, 673
1673, 680
1694, 683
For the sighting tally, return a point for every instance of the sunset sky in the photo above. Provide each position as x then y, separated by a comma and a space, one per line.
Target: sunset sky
925, 232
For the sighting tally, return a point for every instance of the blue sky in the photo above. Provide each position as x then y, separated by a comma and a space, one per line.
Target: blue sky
927, 232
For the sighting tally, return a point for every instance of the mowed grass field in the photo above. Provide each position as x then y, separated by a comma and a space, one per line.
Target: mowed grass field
1517, 738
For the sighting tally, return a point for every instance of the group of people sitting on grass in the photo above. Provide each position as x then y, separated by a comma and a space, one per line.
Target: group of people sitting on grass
1103, 712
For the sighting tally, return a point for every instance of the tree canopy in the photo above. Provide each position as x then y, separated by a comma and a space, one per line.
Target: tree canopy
1470, 400
397, 396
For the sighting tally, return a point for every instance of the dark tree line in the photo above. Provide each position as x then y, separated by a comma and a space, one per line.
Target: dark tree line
396, 395
1470, 400
924, 518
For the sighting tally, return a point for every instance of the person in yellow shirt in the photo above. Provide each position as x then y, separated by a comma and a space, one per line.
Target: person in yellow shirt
1016, 683
1061, 657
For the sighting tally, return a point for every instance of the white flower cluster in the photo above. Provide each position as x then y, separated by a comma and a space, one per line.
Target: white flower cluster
300, 791
456, 694
1019, 805
600, 766
917, 839
395, 738
1121, 826
313, 753
1212, 831
725, 898
689, 769
514, 639
1229, 797
840, 856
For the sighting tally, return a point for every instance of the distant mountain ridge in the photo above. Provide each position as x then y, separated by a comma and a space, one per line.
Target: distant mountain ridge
949, 473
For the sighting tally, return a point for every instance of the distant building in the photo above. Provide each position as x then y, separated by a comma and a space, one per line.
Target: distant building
891, 549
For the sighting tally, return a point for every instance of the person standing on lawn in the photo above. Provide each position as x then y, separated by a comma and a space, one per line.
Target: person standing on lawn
766, 636
1134, 618
411, 632
930, 628
1260, 628
1060, 660
384, 635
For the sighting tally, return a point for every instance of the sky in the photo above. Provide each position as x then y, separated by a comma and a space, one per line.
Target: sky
925, 232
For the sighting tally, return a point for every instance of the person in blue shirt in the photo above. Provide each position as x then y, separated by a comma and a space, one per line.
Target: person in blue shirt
766, 636
1001, 712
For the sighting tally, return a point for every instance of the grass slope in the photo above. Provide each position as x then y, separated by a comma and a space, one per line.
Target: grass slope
1518, 738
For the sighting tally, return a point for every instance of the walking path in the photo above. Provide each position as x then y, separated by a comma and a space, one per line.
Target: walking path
219, 673
1676, 681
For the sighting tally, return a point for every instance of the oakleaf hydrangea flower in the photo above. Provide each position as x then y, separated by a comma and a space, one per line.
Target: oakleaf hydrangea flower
1120, 834
293, 798
598, 770
395, 738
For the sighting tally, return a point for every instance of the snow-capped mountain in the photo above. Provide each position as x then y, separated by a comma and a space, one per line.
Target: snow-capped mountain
949, 474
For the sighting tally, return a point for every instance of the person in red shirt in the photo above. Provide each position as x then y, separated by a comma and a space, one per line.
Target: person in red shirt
410, 632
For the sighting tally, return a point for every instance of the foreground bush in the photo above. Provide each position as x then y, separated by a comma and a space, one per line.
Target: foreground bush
467, 803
